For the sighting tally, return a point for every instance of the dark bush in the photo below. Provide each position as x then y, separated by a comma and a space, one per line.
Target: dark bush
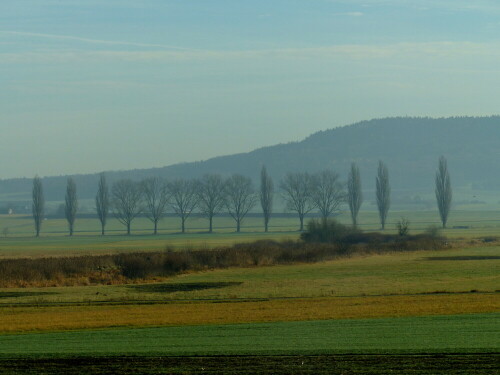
327, 231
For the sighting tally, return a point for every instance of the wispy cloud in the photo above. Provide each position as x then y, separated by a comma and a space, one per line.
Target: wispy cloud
95, 41
370, 52
454, 5
349, 14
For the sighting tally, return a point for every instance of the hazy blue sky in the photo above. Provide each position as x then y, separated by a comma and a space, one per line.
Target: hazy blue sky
93, 85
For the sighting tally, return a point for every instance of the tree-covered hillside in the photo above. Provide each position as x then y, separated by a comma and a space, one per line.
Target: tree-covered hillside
409, 146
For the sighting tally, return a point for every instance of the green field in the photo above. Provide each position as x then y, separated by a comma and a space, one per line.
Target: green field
426, 311
453, 270
20, 240
424, 345
478, 333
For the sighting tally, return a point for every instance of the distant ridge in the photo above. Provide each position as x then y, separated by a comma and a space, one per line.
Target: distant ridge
409, 146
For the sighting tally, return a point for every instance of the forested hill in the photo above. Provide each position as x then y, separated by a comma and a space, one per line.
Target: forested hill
409, 146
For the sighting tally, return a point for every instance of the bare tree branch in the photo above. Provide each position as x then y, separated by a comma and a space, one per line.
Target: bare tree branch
156, 199
210, 190
327, 192
296, 191
183, 199
240, 198
126, 201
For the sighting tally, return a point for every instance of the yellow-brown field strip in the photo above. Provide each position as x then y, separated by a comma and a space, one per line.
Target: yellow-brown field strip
54, 318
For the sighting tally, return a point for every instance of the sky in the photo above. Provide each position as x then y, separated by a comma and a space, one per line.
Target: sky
90, 85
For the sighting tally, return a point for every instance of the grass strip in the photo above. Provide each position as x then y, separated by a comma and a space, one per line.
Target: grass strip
473, 333
26, 319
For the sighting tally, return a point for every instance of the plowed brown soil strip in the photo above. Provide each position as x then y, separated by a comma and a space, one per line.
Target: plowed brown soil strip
477, 364
26, 319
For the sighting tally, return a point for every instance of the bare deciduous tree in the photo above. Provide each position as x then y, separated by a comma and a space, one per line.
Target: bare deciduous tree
210, 190
266, 196
38, 204
183, 199
383, 192
327, 192
354, 194
296, 191
70, 204
240, 198
127, 197
443, 190
156, 199
102, 201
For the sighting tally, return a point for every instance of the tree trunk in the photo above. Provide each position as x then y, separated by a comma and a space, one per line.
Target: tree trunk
301, 217
71, 230
238, 226
183, 227
102, 229
210, 225
156, 228
128, 229
266, 224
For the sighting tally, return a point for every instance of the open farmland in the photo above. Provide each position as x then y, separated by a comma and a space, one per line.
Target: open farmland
20, 240
374, 313
467, 343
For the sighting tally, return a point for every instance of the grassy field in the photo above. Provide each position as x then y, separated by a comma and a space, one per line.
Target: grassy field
401, 284
20, 240
476, 333
91, 316
365, 314
12, 247
453, 270
463, 344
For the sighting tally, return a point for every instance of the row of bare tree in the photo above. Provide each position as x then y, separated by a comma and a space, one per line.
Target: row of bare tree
212, 194
152, 197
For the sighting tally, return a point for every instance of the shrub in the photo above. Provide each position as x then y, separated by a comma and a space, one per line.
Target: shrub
327, 231
403, 227
323, 240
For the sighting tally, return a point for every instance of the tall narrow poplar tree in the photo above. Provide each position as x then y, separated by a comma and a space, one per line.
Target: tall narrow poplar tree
71, 204
383, 192
38, 204
443, 190
102, 201
354, 194
266, 196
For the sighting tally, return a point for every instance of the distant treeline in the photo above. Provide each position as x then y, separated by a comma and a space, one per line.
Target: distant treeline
235, 196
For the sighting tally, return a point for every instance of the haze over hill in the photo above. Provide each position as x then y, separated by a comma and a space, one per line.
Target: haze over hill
409, 146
